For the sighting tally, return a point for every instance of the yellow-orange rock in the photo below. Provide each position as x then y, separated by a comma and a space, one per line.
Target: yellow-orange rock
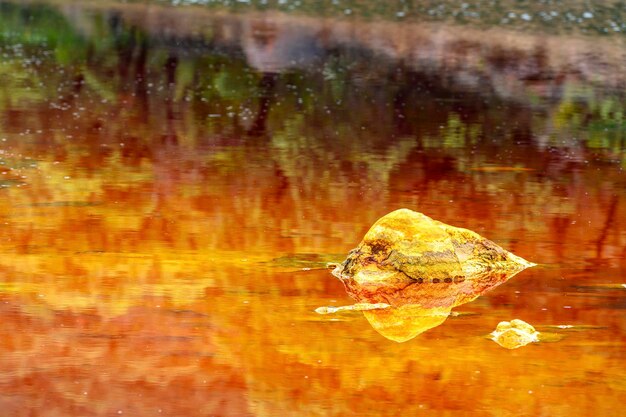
409, 258
419, 269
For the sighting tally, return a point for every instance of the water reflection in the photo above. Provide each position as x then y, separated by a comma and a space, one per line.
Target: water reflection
418, 308
154, 183
273, 47
403, 323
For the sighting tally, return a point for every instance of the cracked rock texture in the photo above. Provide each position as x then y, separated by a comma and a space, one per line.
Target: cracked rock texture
409, 258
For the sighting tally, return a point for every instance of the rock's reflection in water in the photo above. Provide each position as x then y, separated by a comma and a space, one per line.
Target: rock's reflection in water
415, 308
403, 323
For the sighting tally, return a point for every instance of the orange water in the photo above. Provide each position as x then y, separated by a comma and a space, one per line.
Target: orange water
160, 257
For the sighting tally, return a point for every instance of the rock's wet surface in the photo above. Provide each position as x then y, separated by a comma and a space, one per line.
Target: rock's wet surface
422, 268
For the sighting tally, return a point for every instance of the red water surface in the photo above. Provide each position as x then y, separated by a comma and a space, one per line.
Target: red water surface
160, 256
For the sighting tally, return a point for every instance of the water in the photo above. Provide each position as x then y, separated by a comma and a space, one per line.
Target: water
173, 183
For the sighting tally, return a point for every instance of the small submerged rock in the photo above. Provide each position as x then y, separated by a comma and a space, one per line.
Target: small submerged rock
353, 307
514, 334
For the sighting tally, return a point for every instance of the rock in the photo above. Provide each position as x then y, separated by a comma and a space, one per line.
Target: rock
514, 334
419, 269
409, 258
